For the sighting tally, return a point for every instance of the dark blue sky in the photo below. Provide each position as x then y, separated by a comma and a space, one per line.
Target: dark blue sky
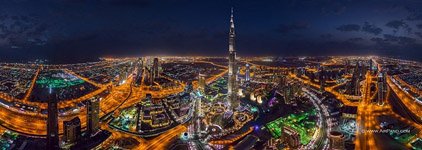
77, 30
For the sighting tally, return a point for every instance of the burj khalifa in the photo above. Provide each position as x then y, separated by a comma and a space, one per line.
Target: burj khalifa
231, 84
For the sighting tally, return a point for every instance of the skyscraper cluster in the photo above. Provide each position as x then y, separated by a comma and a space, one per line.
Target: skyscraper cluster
71, 128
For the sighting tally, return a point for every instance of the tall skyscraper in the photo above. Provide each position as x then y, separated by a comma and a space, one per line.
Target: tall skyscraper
322, 79
231, 84
282, 80
196, 119
140, 66
138, 117
346, 66
291, 137
189, 87
336, 140
381, 89
247, 73
155, 69
72, 130
201, 82
52, 124
151, 76
93, 110
288, 94
353, 86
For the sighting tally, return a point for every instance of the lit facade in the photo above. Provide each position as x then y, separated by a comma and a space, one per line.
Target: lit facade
93, 109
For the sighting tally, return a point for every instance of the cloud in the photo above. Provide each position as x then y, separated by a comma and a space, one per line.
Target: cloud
337, 10
371, 29
349, 27
414, 17
414, 11
419, 26
402, 40
136, 3
357, 39
326, 36
286, 28
378, 40
19, 31
419, 34
398, 24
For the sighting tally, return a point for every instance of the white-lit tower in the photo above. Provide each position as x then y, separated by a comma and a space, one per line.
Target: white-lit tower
247, 73
231, 84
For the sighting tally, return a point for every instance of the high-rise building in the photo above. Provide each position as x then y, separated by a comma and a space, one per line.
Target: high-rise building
381, 89
282, 82
353, 85
52, 124
288, 94
151, 77
93, 110
291, 137
189, 87
138, 117
231, 84
346, 66
322, 79
72, 130
201, 82
155, 69
196, 119
336, 140
140, 66
247, 73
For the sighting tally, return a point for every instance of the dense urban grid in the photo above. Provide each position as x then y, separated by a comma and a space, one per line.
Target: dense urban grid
332, 102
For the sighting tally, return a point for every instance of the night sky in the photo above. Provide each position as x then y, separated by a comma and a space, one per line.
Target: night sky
66, 31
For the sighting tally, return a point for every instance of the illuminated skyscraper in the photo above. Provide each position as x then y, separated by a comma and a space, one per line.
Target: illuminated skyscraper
288, 94
52, 124
381, 89
195, 127
282, 81
322, 79
353, 85
139, 111
247, 73
291, 137
72, 130
189, 87
93, 110
201, 82
140, 66
155, 69
336, 140
231, 84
